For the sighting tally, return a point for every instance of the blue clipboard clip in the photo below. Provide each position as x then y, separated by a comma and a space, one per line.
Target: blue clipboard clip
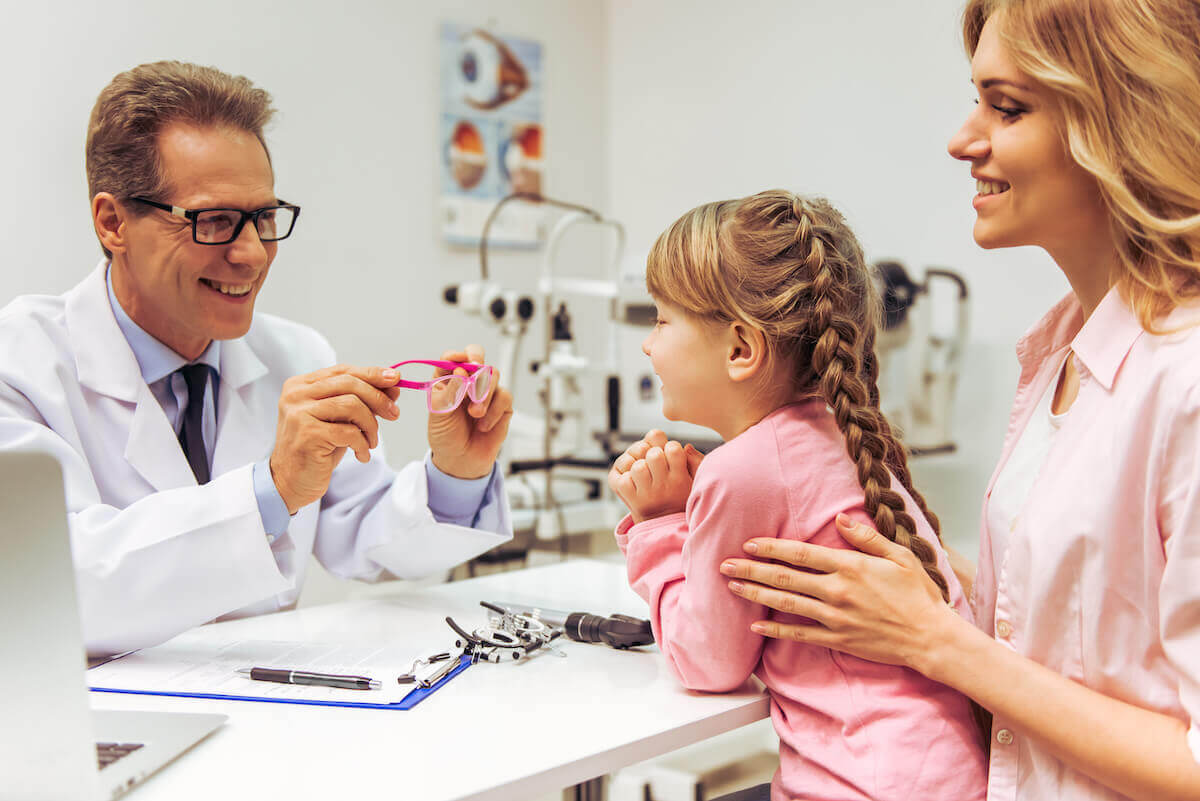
419, 693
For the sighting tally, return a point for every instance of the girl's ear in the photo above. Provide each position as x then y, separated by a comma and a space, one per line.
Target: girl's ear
747, 354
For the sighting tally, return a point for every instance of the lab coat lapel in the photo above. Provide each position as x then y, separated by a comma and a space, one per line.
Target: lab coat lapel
243, 436
153, 448
104, 361
105, 364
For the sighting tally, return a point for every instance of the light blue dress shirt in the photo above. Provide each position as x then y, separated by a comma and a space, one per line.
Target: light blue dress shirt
451, 500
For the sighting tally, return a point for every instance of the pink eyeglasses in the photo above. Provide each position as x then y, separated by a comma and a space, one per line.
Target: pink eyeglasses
446, 392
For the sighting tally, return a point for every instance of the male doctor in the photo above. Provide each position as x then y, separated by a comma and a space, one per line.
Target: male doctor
202, 444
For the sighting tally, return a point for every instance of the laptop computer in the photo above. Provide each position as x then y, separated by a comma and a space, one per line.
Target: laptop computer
48, 733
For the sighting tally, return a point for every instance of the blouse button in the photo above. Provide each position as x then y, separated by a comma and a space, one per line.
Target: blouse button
1004, 737
1004, 629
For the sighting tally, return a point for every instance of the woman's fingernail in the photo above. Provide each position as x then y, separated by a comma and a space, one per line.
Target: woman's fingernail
758, 628
843, 519
394, 410
390, 375
737, 586
728, 567
750, 547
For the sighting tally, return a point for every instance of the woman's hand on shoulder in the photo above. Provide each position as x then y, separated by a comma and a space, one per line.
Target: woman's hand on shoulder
654, 476
876, 602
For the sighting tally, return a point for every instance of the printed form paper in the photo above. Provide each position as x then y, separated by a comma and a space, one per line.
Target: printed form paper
208, 667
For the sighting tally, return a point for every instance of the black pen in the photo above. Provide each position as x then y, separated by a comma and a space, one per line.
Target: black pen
305, 677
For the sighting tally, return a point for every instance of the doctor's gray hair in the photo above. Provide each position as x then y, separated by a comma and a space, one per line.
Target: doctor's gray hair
130, 113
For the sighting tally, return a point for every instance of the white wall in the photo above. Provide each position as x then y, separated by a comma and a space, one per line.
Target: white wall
354, 143
854, 101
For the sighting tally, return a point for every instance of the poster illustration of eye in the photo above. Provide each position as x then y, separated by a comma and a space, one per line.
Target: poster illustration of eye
490, 135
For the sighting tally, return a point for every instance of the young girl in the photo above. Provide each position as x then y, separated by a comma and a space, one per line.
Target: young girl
765, 334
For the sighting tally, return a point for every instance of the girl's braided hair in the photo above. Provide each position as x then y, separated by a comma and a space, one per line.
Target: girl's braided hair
790, 267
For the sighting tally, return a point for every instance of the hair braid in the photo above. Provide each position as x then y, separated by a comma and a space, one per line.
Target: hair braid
897, 459
835, 361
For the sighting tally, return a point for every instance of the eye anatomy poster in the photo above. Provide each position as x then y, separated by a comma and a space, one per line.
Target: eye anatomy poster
491, 136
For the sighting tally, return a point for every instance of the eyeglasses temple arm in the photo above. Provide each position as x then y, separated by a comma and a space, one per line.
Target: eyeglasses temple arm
470, 367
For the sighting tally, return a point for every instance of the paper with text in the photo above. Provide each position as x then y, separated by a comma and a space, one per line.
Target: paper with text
187, 665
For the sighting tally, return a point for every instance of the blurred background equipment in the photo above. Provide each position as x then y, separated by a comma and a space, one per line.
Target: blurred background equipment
920, 347
555, 461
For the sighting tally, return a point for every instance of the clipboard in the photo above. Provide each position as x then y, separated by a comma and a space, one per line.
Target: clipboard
414, 697
197, 664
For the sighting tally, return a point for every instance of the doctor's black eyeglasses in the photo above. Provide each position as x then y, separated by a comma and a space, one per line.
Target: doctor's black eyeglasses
222, 226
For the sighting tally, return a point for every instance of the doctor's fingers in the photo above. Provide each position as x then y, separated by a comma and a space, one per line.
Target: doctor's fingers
471, 353
497, 406
480, 409
381, 377
352, 386
345, 409
338, 436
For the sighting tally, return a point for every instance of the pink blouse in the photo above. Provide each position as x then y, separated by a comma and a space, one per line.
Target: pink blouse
848, 728
1099, 576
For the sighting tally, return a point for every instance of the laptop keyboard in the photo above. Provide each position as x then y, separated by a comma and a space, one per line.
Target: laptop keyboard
108, 753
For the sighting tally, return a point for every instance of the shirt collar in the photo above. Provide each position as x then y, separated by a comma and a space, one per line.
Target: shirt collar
1107, 337
1101, 342
155, 360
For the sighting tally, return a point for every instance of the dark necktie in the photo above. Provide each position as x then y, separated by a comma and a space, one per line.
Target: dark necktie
191, 436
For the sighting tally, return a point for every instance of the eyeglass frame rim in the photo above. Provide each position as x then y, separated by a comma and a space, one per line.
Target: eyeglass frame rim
191, 215
473, 369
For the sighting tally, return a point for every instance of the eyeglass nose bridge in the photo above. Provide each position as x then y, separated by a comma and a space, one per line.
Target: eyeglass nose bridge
247, 216
472, 383
241, 225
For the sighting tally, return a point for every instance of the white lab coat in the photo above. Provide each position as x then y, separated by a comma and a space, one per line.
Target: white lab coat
156, 554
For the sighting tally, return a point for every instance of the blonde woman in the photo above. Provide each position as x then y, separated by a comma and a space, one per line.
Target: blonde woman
1085, 142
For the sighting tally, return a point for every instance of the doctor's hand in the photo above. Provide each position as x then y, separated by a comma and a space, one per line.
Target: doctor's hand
322, 414
465, 442
654, 476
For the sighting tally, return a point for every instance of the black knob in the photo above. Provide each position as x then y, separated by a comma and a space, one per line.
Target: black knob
450, 294
498, 307
524, 308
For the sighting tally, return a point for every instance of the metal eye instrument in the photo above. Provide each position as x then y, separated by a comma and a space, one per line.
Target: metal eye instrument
508, 636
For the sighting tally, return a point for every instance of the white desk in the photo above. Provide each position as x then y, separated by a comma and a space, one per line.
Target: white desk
506, 731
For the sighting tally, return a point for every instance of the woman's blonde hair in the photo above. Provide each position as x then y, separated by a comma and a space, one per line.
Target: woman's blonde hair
790, 267
1125, 75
